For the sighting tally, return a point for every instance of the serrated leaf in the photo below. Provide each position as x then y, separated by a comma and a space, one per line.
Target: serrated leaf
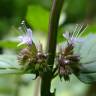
87, 52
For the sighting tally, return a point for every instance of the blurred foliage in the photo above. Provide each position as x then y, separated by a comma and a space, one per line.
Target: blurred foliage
37, 13
8, 44
38, 18
80, 10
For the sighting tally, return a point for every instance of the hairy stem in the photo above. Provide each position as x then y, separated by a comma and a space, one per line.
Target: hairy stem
52, 40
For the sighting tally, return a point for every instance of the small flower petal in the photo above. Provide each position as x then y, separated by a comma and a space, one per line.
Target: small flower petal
26, 39
78, 40
29, 32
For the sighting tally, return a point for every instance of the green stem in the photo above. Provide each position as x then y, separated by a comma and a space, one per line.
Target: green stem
52, 40
53, 28
46, 84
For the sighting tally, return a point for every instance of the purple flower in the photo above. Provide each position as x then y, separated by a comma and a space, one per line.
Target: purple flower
74, 36
27, 37
72, 39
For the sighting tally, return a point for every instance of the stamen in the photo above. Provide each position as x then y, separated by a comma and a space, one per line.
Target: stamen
83, 29
74, 32
73, 37
79, 30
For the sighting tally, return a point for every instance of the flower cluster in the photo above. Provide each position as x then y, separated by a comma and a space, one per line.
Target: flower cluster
68, 62
63, 67
32, 58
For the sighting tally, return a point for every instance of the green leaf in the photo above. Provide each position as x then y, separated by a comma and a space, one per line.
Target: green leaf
87, 52
62, 87
9, 64
8, 44
38, 18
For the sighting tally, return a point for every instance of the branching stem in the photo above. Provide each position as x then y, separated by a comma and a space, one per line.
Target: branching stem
52, 40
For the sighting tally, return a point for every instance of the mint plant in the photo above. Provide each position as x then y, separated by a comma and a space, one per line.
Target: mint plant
76, 56
42, 64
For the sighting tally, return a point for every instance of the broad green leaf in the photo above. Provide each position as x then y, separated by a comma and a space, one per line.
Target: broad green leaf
7, 84
63, 87
87, 53
10, 71
38, 18
8, 44
9, 64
